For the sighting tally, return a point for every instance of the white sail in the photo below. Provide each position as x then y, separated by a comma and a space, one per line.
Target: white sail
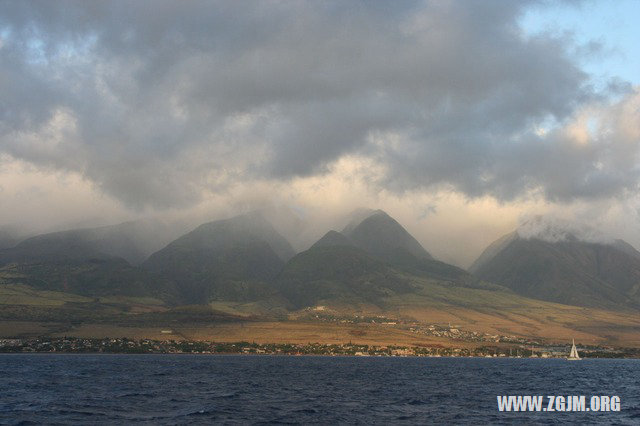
574, 352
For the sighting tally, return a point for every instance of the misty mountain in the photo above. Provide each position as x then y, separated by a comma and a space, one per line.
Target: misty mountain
232, 259
492, 250
90, 262
382, 236
626, 248
132, 241
8, 237
565, 270
335, 270
333, 238
339, 273
244, 259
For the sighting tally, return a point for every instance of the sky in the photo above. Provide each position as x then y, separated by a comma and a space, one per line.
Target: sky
461, 119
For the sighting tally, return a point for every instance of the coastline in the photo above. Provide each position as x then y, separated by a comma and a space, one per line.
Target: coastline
108, 346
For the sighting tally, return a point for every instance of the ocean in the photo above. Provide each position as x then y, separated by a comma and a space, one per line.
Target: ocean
241, 389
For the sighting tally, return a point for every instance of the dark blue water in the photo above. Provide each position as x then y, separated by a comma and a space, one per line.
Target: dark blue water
200, 389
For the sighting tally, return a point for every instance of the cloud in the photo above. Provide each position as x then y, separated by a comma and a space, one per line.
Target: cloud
163, 104
555, 229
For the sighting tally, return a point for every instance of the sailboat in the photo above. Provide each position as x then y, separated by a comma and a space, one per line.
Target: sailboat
573, 356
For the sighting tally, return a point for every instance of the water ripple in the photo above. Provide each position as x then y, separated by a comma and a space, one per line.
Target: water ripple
168, 389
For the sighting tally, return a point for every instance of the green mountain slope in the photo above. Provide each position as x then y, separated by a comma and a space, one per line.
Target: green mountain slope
570, 271
92, 278
232, 259
333, 270
340, 273
82, 262
436, 270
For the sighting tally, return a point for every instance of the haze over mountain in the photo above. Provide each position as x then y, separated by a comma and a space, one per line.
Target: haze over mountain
241, 269
8, 237
333, 238
375, 104
555, 265
90, 262
354, 269
230, 259
244, 260
133, 241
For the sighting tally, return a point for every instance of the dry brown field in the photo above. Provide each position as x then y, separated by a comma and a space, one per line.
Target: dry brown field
334, 333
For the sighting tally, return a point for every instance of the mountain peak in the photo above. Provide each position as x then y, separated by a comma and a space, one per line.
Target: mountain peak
241, 229
381, 235
356, 217
555, 230
332, 238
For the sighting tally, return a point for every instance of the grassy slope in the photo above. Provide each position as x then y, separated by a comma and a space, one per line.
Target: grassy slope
97, 278
342, 273
576, 273
19, 294
433, 301
503, 312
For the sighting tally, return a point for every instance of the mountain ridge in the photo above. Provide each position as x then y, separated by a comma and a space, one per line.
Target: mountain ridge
567, 271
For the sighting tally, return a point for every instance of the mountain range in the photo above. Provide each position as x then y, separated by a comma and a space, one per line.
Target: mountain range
374, 261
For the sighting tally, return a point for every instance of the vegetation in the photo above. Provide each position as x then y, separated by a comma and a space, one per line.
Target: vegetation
233, 278
569, 272
341, 273
224, 260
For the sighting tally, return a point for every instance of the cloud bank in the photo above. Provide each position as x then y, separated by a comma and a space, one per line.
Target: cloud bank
159, 104
555, 229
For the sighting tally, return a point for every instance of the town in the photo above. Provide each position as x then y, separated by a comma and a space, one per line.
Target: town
148, 346
449, 331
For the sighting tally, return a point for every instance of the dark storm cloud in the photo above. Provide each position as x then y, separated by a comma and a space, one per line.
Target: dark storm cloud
158, 102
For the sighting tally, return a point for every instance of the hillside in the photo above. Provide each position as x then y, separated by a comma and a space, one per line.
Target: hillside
241, 269
335, 271
232, 259
93, 277
338, 273
8, 237
567, 271
381, 236
85, 262
132, 241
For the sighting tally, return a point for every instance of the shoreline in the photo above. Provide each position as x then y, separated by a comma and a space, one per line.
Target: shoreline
125, 346
294, 356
